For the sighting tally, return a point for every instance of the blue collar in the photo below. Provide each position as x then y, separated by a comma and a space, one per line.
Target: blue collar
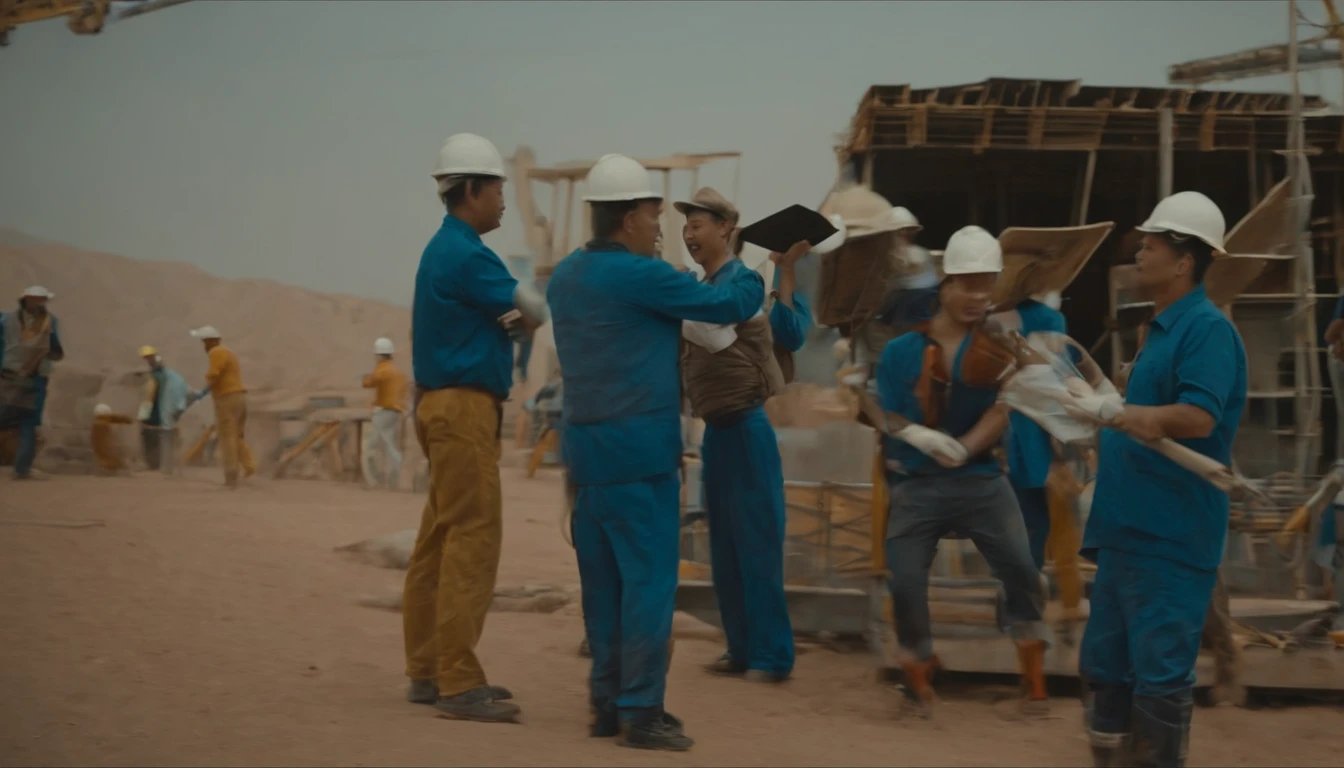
1171, 314
457, 225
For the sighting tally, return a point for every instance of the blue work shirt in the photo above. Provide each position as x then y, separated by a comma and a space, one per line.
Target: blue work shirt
898, 371
461, 289
617, 323
1027, 445
790, 326
1144, 503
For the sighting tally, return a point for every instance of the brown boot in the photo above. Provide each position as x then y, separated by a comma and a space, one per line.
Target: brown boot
919, 683
1031, 663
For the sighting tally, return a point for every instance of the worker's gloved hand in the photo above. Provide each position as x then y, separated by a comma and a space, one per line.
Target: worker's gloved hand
947, 450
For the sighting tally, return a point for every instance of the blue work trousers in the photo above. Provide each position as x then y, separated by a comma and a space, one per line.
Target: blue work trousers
626, 538
978, 507
1035, 506
1142, 637
744, 500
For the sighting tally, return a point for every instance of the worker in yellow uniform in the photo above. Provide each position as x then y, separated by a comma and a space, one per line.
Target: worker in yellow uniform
389, 403
224, 383
104, 443
465, 306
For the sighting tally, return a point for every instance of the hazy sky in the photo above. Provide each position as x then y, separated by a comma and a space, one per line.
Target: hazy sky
293, 140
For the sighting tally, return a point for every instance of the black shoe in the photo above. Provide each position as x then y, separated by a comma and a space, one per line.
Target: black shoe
662, 732
426, 691
726, 666
606, 724
763, 676
478, 705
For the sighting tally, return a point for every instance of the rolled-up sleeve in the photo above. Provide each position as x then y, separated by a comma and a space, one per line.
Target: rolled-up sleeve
1207, 367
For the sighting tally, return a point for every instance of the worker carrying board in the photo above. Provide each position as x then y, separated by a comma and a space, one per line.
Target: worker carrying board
939, 382
617, 315
462, 360
728, 372
1155, 531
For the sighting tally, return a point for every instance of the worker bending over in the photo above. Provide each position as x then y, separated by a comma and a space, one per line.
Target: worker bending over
224, 383
1156, 530
31, 343
728, 373
389, 403
163, 401
462, 361
939, 379
617, 317
104, 443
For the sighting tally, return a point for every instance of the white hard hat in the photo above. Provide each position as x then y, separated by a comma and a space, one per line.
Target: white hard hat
617, 178
1189, 213
836, 240
904, 219
382, 346
971, 251
36, 292
101, 409
468, 154
205, 332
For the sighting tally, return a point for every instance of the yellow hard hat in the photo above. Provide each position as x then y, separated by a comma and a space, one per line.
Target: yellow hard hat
147, 350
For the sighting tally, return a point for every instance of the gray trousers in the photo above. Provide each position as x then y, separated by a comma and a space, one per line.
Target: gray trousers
382, 431
980, 508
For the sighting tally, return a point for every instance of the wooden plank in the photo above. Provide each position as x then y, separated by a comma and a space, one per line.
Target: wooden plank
195, 452
319, 431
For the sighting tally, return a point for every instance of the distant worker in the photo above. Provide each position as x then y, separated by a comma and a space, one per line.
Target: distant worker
942, 476
104, 442
912, 297
728, 372
617, 317
462, 360
389, 385
164, 401
224, 383
31, 344
1156, 530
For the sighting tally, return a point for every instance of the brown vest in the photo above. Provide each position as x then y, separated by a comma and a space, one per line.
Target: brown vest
743, 375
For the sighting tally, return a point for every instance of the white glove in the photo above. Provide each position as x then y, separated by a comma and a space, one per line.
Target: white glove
145, 410
714, 338
934, 443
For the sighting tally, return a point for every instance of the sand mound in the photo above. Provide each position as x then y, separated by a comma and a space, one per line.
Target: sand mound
289, 340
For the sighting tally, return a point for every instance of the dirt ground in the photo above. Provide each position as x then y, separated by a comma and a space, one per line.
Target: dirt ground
199, 626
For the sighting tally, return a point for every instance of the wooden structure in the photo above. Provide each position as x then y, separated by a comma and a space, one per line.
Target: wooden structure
1059, 153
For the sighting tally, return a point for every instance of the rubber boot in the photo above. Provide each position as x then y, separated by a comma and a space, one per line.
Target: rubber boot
1162, 730
919, 683
1107, 714
426, 691
1110, 750
656, 729
1031, 663
478, 705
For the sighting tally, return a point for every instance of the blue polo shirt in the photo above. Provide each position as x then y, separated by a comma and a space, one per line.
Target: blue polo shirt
898, 371
461, 289
1027, 445
1144, 503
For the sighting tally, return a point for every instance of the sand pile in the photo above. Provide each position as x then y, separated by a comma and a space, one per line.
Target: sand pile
290, 340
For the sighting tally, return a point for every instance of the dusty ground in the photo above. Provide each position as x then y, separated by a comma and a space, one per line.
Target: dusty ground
203, 627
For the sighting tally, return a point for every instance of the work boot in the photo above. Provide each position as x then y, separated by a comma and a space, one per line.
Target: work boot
1031, 663
1162, 730
426, 691
919, 683
726, 666
479, 705
656, 730
765, 676
606, 723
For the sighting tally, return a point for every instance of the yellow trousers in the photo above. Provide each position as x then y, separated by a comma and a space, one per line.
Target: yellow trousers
450, 580
230, 421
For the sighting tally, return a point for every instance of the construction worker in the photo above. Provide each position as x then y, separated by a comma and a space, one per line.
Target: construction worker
224, 383
389, 404
941, 475
104, 443
617, 316
1156, 530
32, 343
728, 374
164, 400
462, 360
